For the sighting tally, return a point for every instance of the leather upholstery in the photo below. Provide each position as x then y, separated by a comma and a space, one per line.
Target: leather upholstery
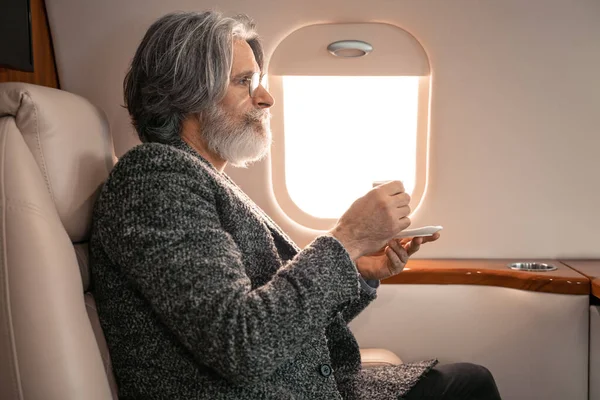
90, 305
55, 152
69, 139
371, 358
83, 261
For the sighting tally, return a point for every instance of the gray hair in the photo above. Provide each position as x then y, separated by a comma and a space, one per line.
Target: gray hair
182, 68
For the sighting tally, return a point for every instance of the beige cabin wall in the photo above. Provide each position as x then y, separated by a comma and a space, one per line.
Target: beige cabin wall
515, 137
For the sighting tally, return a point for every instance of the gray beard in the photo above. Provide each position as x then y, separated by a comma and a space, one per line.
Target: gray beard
237, 142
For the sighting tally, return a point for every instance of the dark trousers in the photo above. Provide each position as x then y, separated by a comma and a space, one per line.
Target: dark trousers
461, 381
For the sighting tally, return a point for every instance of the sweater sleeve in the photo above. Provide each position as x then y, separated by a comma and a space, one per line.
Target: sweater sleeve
369, 285
165, 235
366, 295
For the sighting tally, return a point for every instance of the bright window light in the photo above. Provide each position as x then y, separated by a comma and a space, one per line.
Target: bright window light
342, 133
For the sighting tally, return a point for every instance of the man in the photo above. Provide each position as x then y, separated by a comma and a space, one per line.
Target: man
200, 294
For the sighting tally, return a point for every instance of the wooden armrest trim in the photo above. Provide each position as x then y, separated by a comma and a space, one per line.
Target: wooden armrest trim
564, 280
589, 268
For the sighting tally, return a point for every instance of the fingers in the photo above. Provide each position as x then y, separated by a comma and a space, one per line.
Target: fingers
403, 223
399, 197
426, 239
391, 197
396, 265
399, 251
414, 245
392, 188
403, 211
401, 200
433, 237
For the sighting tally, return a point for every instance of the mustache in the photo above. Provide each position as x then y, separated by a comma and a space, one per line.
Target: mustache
258, 116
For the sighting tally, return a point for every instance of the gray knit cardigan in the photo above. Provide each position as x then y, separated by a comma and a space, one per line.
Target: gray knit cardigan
202, 296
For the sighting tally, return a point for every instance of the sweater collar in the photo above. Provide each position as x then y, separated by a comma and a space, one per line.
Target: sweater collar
182, 145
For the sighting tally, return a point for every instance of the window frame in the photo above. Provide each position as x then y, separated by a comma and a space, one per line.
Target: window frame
278, 165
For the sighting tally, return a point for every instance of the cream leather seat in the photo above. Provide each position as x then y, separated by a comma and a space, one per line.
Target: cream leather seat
55, 153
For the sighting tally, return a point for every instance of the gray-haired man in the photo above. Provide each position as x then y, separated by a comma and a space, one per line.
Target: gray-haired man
200, 294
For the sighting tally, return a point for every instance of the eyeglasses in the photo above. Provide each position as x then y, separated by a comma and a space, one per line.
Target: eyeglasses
255, 81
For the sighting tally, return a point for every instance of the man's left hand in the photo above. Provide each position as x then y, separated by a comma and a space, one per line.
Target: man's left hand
391, 259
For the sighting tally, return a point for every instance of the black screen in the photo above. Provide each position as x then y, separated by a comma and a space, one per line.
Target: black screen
15, 35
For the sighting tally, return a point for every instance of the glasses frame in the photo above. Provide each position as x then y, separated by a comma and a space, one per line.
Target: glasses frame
256, 80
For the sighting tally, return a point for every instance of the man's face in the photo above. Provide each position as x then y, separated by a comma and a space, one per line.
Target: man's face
237, 129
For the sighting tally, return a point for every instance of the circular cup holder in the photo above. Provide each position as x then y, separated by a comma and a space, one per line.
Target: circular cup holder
532, 266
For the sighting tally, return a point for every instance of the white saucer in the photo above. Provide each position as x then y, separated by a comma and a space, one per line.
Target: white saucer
418, 232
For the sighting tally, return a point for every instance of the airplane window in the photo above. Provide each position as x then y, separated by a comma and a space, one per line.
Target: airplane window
342, 133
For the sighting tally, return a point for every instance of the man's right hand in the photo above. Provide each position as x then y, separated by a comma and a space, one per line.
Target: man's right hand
373, 220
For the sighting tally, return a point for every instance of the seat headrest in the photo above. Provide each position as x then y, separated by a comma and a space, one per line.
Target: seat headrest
71, 143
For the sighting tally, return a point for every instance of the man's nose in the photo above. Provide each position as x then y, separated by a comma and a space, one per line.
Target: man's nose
263, 98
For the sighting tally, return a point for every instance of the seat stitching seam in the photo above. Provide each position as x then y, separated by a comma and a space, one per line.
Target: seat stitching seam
14, 372
105, 360
43, 167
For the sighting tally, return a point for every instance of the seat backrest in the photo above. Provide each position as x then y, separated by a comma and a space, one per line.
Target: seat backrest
55, 153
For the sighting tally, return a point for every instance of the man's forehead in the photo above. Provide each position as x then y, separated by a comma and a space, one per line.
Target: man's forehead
243, 58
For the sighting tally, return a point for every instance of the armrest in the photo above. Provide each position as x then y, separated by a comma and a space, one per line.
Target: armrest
371, 358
